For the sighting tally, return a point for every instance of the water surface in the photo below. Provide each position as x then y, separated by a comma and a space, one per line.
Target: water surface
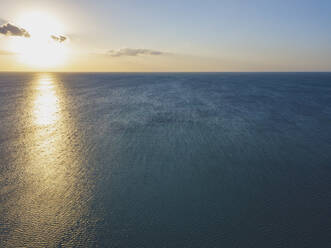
165, 160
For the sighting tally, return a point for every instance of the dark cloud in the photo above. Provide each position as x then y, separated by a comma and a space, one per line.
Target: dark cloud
12, 30
132, 52
59, 38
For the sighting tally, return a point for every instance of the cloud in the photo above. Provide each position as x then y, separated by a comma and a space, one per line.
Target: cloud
12, 30
133, 52
59, 38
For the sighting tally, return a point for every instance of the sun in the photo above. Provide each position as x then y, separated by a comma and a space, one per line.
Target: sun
40, 50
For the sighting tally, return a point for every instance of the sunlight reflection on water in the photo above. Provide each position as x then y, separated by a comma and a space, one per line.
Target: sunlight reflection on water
54, 187
46, 103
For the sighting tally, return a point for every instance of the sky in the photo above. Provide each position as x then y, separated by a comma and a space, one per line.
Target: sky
160, 36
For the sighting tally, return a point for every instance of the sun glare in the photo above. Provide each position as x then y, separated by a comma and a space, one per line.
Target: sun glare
40, 50
46, 103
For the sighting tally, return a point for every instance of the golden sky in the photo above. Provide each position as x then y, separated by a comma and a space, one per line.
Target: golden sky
69, 35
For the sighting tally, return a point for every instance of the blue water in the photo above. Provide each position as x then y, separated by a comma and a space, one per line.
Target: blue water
165, 160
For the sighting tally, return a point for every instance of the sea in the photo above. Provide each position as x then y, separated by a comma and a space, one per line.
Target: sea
165, 160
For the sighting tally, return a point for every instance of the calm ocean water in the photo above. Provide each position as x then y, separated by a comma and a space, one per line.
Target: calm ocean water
165, 160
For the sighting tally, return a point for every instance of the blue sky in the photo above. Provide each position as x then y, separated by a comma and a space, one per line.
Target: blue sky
229, 35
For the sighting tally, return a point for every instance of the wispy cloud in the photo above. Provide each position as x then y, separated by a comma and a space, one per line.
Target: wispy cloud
12, 30
59, 38
132, 52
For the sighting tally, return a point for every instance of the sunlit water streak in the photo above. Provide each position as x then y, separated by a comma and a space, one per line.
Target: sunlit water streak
49, 206
46, 107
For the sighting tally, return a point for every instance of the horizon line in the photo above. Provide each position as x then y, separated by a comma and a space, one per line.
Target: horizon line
165, 71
